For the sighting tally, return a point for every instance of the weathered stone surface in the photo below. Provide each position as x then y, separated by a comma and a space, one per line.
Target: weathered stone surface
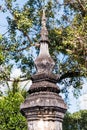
44, 31
48, 76
46, 106
45, 100
44, 86
44, 125
44, 62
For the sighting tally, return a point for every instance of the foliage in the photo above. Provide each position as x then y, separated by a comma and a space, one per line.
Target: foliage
68, 46
1, 53
10, 116
67, 34
75, 121
77, 32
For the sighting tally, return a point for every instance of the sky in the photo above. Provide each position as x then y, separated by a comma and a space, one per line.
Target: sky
16, 72
3, 21
78, 104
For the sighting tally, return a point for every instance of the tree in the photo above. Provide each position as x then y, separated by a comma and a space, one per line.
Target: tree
77, 31
66, 36
10, 116
75, 121
68, 44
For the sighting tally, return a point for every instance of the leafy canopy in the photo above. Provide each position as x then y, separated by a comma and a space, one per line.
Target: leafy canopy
10, 116
67, 34
75, 121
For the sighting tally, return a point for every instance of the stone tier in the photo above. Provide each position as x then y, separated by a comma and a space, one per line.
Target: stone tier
45, 76
47, 105
45, 81
44, 86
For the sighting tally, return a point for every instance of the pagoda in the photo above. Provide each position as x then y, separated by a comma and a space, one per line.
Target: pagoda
44, 108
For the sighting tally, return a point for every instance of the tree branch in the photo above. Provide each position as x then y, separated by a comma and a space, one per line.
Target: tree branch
20, 80
12, 80
25, 34
82, 7
19, 50
4, 77
69, 75
6, 32
23, 48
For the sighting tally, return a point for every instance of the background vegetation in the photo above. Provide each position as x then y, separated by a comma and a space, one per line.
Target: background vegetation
67, 27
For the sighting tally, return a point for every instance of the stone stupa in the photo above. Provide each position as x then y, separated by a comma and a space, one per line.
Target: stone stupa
43, 108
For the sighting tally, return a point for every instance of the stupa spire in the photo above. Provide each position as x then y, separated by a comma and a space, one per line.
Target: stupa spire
44, 62
44, 31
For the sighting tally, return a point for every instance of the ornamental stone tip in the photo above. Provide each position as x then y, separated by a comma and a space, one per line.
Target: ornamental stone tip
43, 19
44, 32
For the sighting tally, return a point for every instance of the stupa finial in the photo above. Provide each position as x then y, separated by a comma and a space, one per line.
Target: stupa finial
43, 19
44, 32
